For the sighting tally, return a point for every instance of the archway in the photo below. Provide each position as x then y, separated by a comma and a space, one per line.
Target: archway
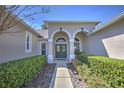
79, 30
61, 45
79, 39
58, 30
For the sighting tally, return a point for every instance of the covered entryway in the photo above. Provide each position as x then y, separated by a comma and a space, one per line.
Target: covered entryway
61, 46
79, 38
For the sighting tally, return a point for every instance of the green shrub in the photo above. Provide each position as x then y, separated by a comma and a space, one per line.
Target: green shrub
19, 72
82, 57
108, 69
77, 52
91, 80
102, 72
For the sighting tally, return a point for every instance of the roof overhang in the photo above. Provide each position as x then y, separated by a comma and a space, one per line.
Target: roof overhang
71, 21
114, 20
26, 25
19, 20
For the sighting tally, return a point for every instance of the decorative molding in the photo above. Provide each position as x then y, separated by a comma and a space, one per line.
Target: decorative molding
80, 30
58, 30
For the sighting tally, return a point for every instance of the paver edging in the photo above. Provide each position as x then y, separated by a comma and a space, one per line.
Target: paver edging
53, 78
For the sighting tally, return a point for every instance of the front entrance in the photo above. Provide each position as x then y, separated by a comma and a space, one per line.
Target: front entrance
61, 51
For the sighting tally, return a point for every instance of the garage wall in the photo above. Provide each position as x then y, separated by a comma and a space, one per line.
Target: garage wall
107, 42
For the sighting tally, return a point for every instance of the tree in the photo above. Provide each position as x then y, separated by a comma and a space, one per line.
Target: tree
11, 15
44, 26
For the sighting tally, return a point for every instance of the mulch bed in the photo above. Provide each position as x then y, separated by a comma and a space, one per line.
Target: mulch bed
75, 77
43, 79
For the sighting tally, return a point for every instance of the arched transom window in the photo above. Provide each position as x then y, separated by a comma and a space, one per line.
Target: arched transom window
60, 40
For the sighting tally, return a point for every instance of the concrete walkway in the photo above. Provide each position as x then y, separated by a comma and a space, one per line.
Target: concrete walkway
62, 77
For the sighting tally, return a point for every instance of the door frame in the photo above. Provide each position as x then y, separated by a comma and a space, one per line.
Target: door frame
40, 47
66, 51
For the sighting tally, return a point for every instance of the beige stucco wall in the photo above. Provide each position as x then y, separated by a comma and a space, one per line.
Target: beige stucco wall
107, 42
12, 44
71, 28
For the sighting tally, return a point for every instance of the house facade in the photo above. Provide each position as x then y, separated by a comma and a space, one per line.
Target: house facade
62, 39
18, 42
65, 37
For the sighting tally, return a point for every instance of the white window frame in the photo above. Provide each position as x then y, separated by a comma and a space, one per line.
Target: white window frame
30, 42
40, 51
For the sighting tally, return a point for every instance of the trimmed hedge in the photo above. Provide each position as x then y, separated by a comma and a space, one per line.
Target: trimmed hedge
108, 69
91, 80
19, 72
82, 57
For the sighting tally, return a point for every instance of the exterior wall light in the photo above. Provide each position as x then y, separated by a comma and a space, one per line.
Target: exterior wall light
82, 29
60, 29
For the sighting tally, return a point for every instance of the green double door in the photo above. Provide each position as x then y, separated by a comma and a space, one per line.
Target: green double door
61, 51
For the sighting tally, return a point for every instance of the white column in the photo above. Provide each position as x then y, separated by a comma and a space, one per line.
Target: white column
72, 56
50, 51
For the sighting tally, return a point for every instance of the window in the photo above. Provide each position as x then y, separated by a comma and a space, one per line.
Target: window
61, 40
58, 48
28, 45
76, 44
43, 48
27, 42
